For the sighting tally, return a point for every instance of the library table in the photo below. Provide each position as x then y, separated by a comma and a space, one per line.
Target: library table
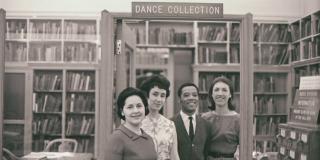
57, 156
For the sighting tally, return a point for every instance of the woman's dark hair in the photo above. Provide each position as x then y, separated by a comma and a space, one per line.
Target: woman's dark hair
229, 83
124, 94
153, 81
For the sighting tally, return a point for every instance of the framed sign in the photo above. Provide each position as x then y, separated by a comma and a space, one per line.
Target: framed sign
168, 9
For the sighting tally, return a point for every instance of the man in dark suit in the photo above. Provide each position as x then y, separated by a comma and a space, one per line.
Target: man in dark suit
193, 132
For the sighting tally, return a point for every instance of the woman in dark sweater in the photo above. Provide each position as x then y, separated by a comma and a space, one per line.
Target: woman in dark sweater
225, 121
129, 141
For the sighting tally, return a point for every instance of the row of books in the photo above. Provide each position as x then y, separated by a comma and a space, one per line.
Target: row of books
295, 52
212, 55
80, 52
80, 125
235, 33
169, 36
80, 81
153, 56
274, 33
140, 35
72, 29
213, 33
316, 29
306, 28
43, 102
295, 31
272, 55
46, 125
15, 52
42, 52
269, 105
267, 126
206, 78
45, 29
311, 49
16, 29
51, 52
266, 83
80, 103
46, 81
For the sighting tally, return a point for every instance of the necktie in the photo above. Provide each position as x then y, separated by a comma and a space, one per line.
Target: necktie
191, 131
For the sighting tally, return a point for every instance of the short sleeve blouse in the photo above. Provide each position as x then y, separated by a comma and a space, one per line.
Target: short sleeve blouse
162, 131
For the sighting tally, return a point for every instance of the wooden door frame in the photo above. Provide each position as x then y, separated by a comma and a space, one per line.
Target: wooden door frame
2, 49
246, 72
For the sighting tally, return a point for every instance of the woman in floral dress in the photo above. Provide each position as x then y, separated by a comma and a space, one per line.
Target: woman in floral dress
161, 129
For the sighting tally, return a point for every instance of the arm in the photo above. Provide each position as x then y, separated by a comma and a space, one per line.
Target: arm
174, 150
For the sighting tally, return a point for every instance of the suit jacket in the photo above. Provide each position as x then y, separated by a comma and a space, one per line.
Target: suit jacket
196, 149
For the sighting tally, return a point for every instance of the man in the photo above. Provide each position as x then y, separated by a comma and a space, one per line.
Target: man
193, 132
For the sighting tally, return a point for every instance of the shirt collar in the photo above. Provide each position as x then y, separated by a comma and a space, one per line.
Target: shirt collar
131, 134
185, 117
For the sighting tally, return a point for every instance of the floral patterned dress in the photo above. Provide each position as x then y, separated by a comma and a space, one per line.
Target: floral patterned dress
162, 131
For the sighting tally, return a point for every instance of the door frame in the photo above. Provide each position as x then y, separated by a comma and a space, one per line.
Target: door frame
246, 72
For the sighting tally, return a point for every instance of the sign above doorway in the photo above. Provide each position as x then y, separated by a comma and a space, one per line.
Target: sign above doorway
168, 9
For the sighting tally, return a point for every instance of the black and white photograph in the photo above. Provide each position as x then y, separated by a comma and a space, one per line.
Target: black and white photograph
160, 80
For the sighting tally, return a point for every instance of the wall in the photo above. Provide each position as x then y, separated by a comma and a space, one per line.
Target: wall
259, 8
310, 6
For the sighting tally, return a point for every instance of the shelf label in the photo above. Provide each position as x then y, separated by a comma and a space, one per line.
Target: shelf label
282, 150
283, 132
303, 157
304, 115
292, 154
304, 137
171, 9
309, 83
293, 134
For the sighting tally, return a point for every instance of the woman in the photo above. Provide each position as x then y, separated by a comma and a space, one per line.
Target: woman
161, 129
225, 121
129, 141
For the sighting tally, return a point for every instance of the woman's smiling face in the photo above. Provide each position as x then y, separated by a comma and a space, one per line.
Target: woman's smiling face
221, 94
157, 98
134, 110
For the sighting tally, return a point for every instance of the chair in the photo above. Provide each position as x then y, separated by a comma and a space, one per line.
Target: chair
8, 155
62, 145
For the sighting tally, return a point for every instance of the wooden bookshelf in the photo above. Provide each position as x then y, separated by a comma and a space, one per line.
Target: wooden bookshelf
158, 43
52, 40
306, 49
66, 97
271, 81
60, 58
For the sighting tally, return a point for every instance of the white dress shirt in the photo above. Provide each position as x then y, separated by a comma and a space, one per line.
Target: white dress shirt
186, 121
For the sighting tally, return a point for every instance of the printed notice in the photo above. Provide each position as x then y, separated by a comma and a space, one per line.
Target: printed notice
309, 83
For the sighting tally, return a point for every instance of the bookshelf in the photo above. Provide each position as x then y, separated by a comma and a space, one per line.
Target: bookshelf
60, 57
306, 48
65, 97
217, 54
271, 82
159, 45
38, 40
